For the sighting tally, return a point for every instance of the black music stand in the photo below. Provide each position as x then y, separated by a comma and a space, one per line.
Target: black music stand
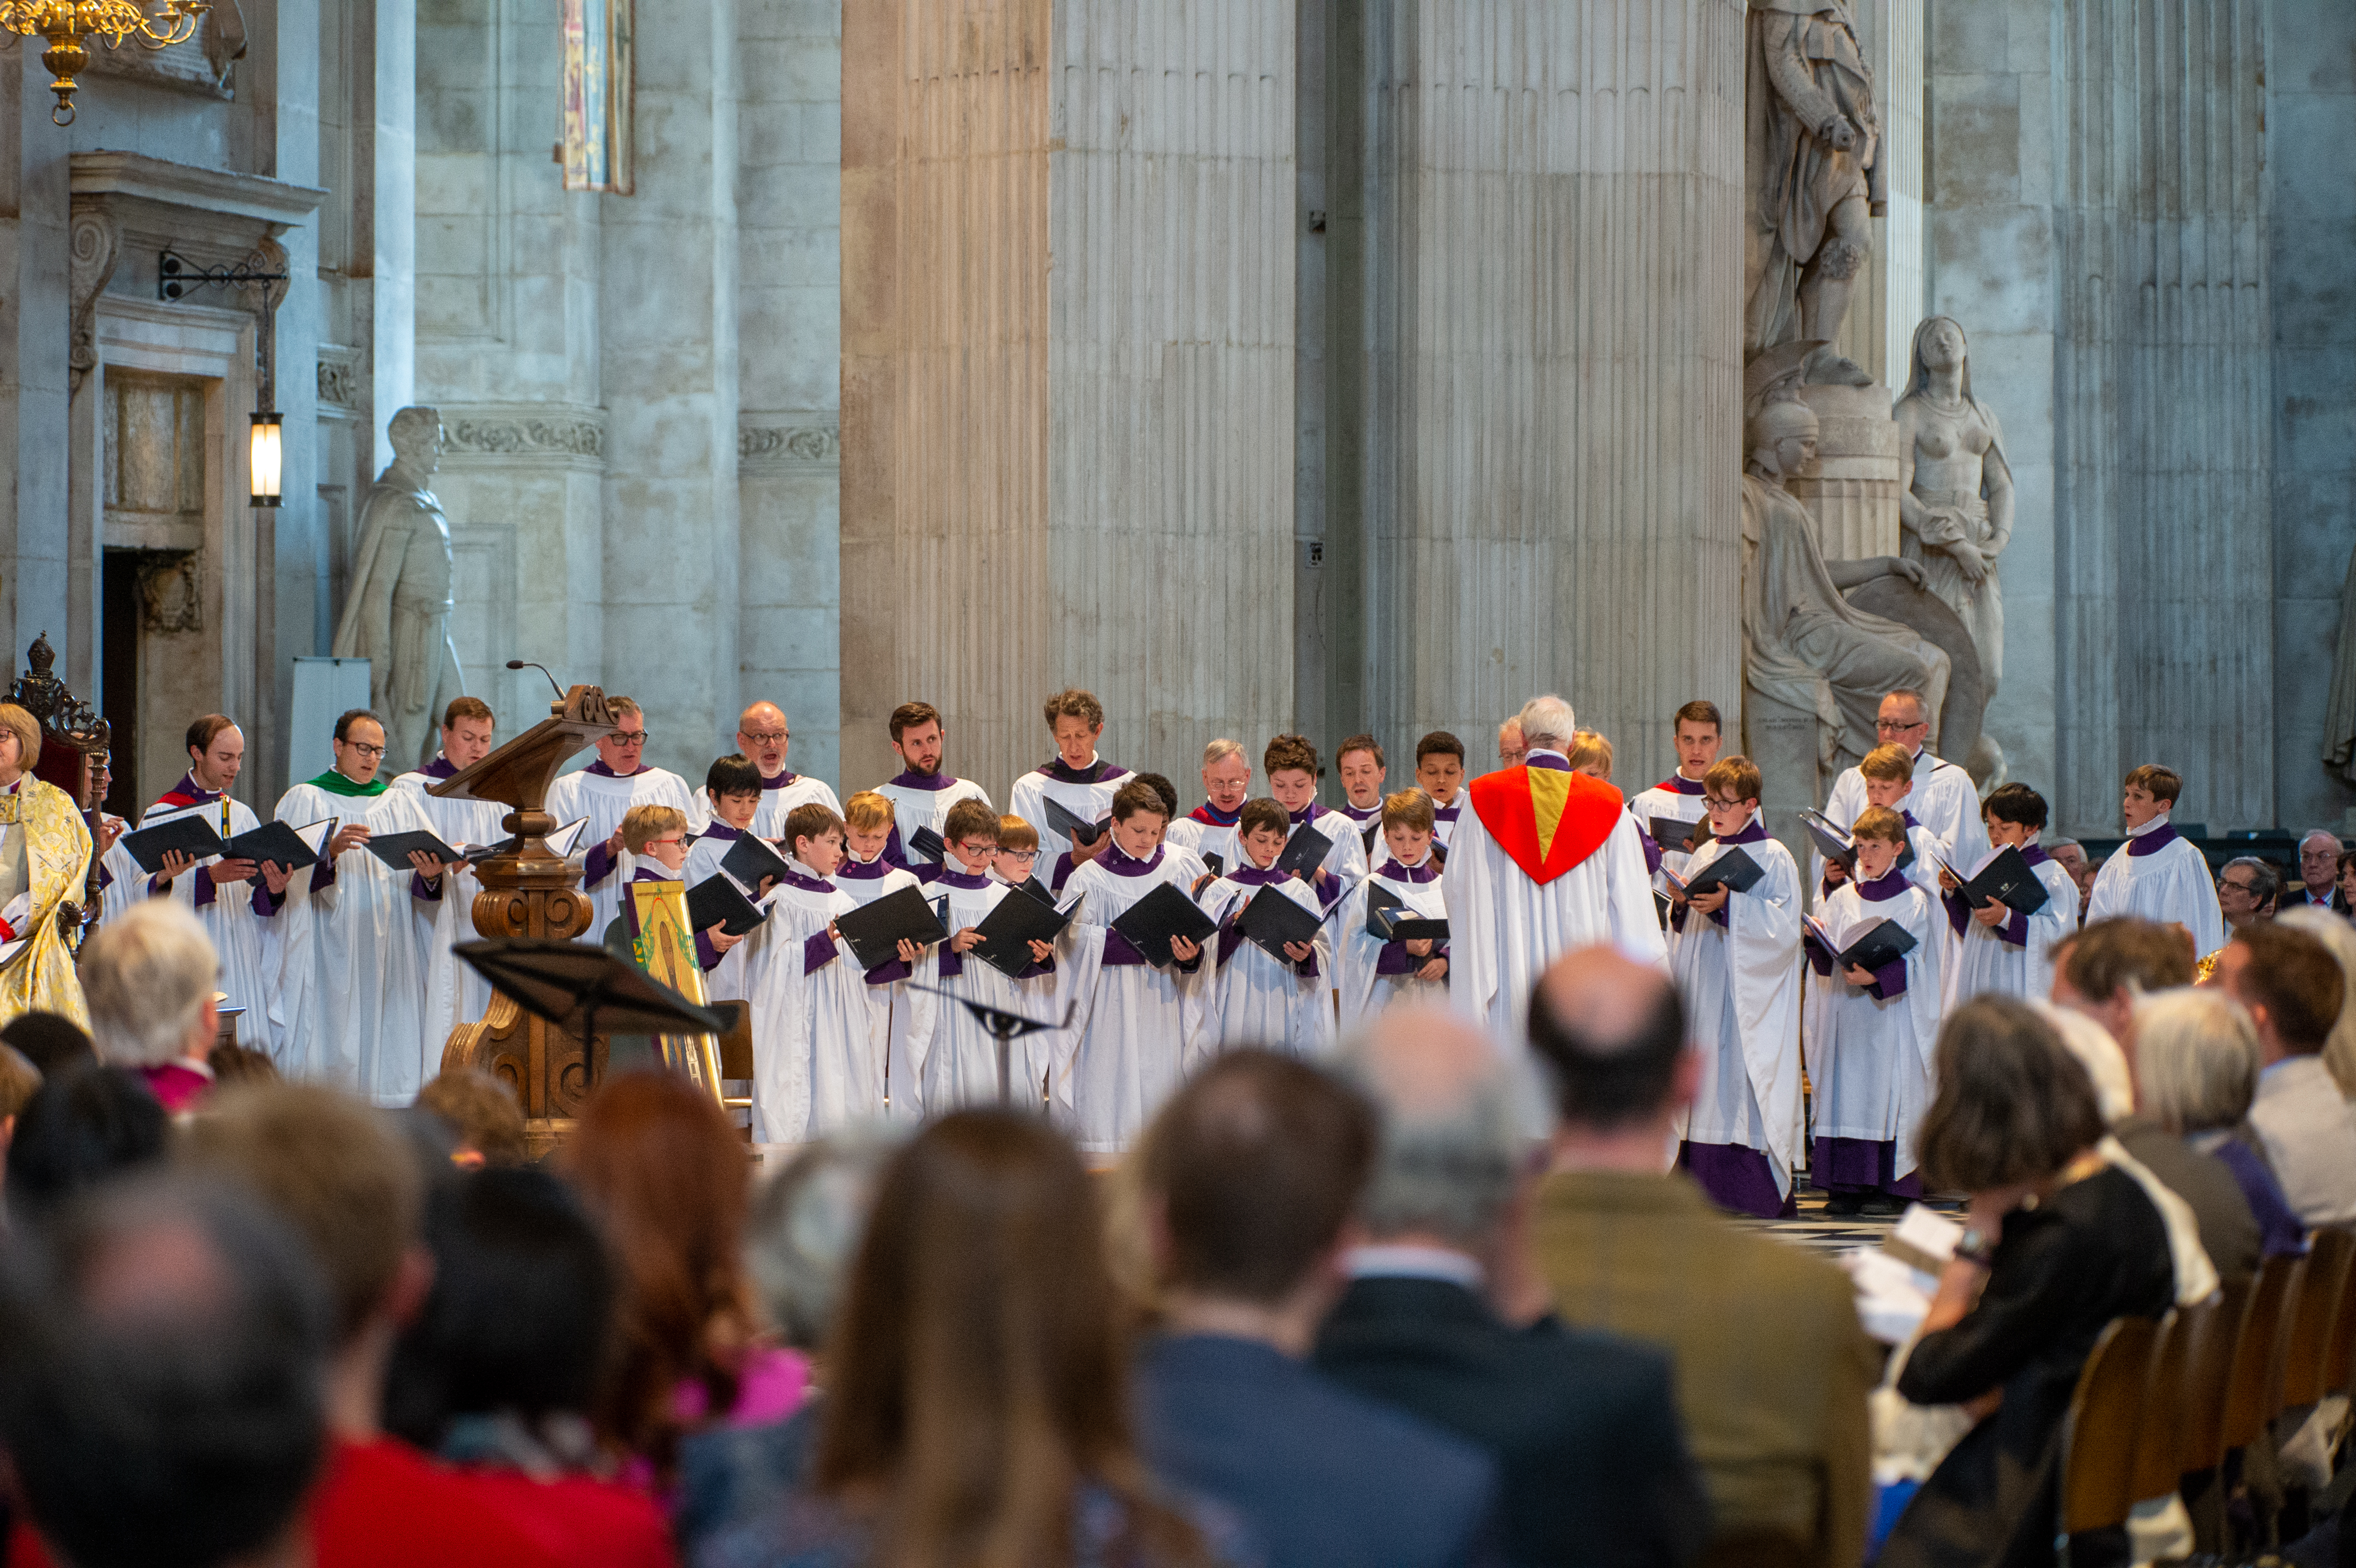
578, 986
1005, 1028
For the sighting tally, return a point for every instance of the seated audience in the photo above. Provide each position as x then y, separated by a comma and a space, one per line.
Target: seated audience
2057, 1241
2337, 933
1772, 1366
50, 1041
2105, 968
483, 1115
81, 1126
665, 1175
234, 1063
2292, 987
148, 979
1583, 1426
976, 1408
804, 1229
1250, 1173
162, 1397
2247, 888
341, 1178
2196, 1074
497, 1374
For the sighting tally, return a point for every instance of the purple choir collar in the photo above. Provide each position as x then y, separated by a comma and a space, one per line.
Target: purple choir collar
722, 831
441, 767
798, 876
1552, 762
1123, 865
1361, 814
786, 778
1678, 783
1394, 871
603, 772
922, 781
1753, 832
949, 878
1258, 876
187, 787
2152, 837
1309, 813
1908, 819
1446, 813
1096, 772
656, 871
1888, 885
1212, 816
2034, 854
864, 870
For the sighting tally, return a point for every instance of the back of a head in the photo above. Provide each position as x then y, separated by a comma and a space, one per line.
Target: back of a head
1547, 722
146, 977
331, 1167
163, 1400
81, 1126
50, 1041
1450, 1147
2296, 979
2125, 953
1256, 1165
19, 1082
520, 1312
1611, 1032
806, 1226
481, 1111
2013, 1105
2196, 1058
2337, 933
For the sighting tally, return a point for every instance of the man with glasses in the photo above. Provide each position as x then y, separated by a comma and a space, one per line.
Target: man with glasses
2318, 875
603, 792
1943, 798
351, 979
763, 738
921, 794
2246, 891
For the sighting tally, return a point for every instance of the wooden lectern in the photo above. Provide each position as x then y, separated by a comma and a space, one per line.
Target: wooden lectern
531, 891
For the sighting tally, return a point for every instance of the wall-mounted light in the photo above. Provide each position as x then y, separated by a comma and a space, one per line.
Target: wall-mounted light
267, 462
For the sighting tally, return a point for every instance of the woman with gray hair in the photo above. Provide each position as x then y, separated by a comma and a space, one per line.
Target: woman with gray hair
2196, 1073
2337, 933
149, 980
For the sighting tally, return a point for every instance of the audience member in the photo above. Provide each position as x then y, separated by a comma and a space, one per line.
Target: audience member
482, 1113
2072, 857
1772, 1366
665, 1173
50, 1041
977, 1406
148, 979
82, 1125
340, 1176
805, 1228
2196, 1075
234, 1063
1583, 1426
19, 1082
2292, 987
2247, 888
2337, 933
161, 1401
2103, 970
2348, 880
2057, 1241
2319, 854
1250, 1174
498, 1372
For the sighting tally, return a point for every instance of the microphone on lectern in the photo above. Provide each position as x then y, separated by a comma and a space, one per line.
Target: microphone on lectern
527, 664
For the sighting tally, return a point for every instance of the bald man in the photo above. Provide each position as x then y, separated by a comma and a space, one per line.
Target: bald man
763, 737
1772, 1367
2319, 874
1583, 1425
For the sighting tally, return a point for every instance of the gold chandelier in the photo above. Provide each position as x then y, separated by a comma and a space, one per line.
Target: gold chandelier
66, 23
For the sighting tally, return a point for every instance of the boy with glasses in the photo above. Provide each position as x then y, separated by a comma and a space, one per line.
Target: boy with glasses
958, 1057
603, 791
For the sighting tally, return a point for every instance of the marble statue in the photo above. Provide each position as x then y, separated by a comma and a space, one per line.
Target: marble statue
1813, 179
1803, 644
2339, 707
397, 609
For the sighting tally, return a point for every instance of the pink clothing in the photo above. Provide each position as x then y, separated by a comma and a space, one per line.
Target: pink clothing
180, 1085
769, 1388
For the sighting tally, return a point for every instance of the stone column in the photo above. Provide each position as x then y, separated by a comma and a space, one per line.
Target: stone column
1067, 401
1553, 223
35, 324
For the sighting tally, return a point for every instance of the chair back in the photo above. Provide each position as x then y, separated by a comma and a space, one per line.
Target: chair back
2160, 1430
2313, 1316
2098, 1433
2340, 1344
2208, 1334
2253, 1391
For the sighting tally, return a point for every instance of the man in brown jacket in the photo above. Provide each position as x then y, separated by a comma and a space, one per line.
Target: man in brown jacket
1772, 1366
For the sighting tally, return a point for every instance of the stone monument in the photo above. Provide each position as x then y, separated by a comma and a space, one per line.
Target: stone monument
397, 609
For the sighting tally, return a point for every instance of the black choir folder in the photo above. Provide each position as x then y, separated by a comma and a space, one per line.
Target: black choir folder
293, 848
1153, 920
1732, 868
2007, 879
926, 842
1389, 921
1062, 820
1010, 927
752, 857
393, 848
1831, 842
874, 931
1883, 942
1679, 837
1304, 851
718, 901
1270, 920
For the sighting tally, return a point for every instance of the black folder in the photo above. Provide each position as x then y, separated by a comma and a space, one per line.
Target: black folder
1306, 850
718, 901
282, 844
1062, 820
752, 857
874, 929
1153, 920
924, 841
1662, 908
1393, 922
393, 848
1831, 842
1216, 863
1270, 920
191, 835
1731, 869
1009, 928
2007, 879
1883, 942
1037, 889
1368, 834
1679, 837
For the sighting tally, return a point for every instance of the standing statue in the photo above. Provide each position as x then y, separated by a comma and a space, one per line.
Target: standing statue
1803, 644
2339, 707
397, 609
1955, 488
1813, 178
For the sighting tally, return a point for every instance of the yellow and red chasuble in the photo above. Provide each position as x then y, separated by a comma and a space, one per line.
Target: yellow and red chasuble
1545, 820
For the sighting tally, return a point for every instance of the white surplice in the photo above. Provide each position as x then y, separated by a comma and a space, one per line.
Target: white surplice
1869, 1058
1258, 998
1140, 1029
920, 800
958, 1056
1678, 799
1344, 864
1090, 799
456, 993
1944, 800
817, 1051
604, 799
781, 795
1203, 831
901, 1015
1366, 990
2016, 958
2158, 875
240, 918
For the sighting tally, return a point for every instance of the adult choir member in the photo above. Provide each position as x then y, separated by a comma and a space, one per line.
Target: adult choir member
237, 902
455, 992
921, 793
763, 738
603, 791
1075, 778
1700, 732
1943, 798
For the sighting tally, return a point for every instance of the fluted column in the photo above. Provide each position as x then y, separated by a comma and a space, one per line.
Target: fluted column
1067, 392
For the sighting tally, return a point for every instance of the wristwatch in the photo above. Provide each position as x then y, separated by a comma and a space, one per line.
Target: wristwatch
1976, 1247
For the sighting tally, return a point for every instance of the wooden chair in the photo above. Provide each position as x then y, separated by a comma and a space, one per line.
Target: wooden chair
2203, 1368
2339, 1345
2314, 1315
2254, 1388
2159, 1429
2098, 1434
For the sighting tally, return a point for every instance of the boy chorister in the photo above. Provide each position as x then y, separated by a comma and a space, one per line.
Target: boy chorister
1359, 764
1291, 763
1377, 973
1735, 956
960, 1057
1141, 1027
1700, 731
867, 872
1075, 778
921, 794
2158, 874
1257, 998
1210, 828
1870, 1057
1998, 948
1440, 773
732, 791
656, 836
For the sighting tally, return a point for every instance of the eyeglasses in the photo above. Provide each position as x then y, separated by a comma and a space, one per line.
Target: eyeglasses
364, 749
625, 739
654, 843
1020, 854
1892, 727
985, 848
2250, 888
768, 737
1717, 805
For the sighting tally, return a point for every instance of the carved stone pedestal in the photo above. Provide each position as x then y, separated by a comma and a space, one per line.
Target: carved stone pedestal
1783, 741
1852, 490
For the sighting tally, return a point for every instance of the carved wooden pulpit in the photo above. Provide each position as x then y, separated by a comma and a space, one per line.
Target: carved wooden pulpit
74, 742
531, 891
